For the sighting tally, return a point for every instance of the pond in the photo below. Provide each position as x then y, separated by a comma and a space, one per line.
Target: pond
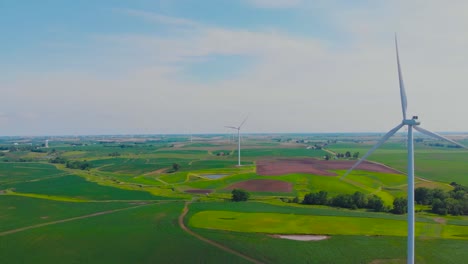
214, 176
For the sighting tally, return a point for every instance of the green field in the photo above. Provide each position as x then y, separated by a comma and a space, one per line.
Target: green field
274, 223
341, 249
148, 234
125, 208
17, 211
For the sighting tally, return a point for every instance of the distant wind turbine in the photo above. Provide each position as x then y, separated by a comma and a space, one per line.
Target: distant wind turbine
238, 139
410, 123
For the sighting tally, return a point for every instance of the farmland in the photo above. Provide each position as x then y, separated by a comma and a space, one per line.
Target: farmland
128, 197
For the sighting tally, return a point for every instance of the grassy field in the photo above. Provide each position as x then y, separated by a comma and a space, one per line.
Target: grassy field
20, 172
337, 249
142, 173
341, 249
77, 187
147, 234
17, 211
438, 164
275, 223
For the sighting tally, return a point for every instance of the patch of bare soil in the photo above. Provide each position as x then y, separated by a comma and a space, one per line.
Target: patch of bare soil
272, 167
302, 237
440, 220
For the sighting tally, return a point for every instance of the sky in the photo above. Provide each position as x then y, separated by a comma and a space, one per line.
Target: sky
189, 66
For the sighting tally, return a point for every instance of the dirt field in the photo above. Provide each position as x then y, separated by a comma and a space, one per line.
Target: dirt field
262, 186
199, 191
314, 166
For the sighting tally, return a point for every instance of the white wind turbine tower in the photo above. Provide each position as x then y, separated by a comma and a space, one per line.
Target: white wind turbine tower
238, 139
410, 123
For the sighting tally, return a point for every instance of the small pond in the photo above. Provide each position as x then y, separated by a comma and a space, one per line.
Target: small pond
214, 176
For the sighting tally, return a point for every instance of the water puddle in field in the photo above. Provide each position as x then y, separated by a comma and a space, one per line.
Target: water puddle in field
214, 176
302, 237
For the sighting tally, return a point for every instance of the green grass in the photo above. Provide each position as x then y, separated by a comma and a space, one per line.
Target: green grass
299, 209
174, 177
16, 211
148, 234
75, 186
20, 172
281, 152
275, 223
340, 249
438, 164
136, 166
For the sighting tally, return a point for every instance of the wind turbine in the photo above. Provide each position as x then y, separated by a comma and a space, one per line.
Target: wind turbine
238, 139
410, 123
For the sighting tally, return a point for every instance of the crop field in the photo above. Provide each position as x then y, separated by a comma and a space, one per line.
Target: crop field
274, 223
75, 186
340, 249
20, 211
20, 172
146, 234
132, 198
437, 164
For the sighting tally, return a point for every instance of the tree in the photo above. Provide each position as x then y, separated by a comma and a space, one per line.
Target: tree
439, 194
376, 203
240, 195
356, 155
58, 160
175, 166
343, 200
423, 195
326, 157
348, 154
316, 198
438, 207
360, 200
400, 205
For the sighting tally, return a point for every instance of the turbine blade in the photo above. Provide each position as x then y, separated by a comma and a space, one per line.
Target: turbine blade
231, 127
379, 143
243, 121
404, 103
435, 135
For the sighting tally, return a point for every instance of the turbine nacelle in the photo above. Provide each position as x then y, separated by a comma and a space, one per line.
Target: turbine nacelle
411, 122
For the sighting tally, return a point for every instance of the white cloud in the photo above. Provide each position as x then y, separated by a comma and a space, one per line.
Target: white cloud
294, 84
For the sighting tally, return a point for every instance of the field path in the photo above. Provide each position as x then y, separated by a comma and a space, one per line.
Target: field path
211, 242
68, 220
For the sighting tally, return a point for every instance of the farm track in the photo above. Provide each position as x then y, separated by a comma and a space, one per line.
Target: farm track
211, 242
68, 220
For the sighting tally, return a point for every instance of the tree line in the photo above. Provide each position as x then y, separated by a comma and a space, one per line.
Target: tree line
352, 201
75, 164
454, 202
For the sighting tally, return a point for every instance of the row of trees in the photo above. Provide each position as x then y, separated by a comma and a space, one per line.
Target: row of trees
352, 201
345, 155
76, 164
454, 202
355, 201
348, 155
58, 160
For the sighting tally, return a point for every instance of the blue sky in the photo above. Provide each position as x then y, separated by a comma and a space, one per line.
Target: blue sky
121, 66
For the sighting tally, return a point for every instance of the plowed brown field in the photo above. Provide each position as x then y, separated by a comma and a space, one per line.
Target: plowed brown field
314, 166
